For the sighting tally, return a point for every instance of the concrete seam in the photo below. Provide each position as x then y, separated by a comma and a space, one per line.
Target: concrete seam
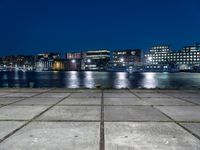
23, 98
176, 122
134, 94
31, 120
102, 138
182, 99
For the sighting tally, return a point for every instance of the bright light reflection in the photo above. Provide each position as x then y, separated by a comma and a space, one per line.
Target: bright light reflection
149, 80
73, 80
89, 80
121, 80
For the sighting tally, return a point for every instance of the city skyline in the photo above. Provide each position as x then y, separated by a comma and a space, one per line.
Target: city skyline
62, 53
31, 27
159, 58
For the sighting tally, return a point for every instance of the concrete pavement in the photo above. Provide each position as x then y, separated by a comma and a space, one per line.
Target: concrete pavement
94, 119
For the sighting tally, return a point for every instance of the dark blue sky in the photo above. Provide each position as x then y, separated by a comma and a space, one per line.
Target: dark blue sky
33, 26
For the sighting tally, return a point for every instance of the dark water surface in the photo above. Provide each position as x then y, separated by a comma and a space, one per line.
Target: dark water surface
87, 79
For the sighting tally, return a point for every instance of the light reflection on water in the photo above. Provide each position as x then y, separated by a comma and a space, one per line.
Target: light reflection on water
121, 80
89, 79
72, 81
149, 80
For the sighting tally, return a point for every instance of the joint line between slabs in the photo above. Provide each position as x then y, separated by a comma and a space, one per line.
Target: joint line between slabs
189, 131
134, 94
176, 122
102, 140
182, 99
24, 98
31, 120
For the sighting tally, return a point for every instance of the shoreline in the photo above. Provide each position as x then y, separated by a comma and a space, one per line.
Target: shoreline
101, 71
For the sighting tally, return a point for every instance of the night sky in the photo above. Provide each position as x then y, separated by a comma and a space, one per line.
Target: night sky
34, 26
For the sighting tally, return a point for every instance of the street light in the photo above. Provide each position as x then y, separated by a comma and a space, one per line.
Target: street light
73, 61
89, 60
149, 58
121, 59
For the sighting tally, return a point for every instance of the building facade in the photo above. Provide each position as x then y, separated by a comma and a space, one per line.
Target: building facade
75, 60
18, 62
161, 57
60, 65
97, 59
45, 61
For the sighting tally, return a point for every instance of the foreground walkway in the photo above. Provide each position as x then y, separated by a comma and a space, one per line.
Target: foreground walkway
64, 119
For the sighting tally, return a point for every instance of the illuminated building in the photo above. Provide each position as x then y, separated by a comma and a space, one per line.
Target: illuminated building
60, 64
126, 56
75, 60
48, 56
161, 57
18, 62
45, 61
97, 59
122, 59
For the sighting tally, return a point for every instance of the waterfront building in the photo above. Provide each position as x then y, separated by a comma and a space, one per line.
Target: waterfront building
97, 59
75, 60
162, 57
60, 65
123, 59
45, 61
18, 62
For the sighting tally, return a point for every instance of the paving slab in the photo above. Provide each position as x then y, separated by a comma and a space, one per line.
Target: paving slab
85, 95
7, 90
119, 95
20, 95
33, 90
88, 91
6, 100
63, 90
152, 95
165, 101
81, 101
39, 101
55, 136
182, 113
13, 112
148, 136
133, 113
193, 127
54, 95
7, 127
182, 95
116, 91
72, 113
178, 91
195, 100
170, 91
143, 90
3, 93
123, 101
